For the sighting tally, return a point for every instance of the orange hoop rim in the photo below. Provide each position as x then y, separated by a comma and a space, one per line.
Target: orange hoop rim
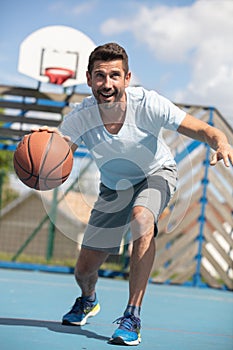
58, 75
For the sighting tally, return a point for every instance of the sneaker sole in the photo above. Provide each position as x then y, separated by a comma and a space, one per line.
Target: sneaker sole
121, 341
84, 320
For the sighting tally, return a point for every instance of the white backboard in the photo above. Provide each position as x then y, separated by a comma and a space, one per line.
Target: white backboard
57, 47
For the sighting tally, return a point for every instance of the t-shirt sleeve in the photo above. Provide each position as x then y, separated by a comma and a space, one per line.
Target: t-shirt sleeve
169, 115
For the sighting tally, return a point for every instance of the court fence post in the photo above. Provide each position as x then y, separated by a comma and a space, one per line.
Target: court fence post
52, 226
2, 175
197, 280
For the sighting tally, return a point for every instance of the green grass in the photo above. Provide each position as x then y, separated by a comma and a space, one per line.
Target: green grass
54, 261
38, 260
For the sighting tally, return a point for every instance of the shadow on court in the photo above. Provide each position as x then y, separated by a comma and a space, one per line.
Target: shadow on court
52, 326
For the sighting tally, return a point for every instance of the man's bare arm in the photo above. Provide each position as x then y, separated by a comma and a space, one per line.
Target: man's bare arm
215, 138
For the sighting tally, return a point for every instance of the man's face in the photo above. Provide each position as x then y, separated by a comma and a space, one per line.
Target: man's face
108, 81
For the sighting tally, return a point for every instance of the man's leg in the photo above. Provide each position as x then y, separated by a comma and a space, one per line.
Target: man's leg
86, 270
143, 253
86, 274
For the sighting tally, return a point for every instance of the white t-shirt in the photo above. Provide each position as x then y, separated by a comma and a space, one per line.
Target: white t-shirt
138, 149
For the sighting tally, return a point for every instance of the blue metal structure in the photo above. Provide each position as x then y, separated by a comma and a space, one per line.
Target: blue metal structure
180, 155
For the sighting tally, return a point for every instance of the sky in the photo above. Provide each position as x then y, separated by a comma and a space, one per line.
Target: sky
182, 49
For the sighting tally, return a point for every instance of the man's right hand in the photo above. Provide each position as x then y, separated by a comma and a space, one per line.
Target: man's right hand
50, 129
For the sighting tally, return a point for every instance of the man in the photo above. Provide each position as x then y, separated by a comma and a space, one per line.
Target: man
121, 127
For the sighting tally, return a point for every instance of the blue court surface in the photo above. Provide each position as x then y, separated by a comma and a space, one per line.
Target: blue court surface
173, 317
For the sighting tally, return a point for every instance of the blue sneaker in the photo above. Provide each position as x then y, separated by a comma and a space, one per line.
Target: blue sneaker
128, 333
80, 311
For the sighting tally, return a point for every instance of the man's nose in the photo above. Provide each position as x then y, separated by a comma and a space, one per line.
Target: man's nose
108, 82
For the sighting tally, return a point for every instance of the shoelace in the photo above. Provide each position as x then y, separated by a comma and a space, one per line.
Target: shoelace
130, 323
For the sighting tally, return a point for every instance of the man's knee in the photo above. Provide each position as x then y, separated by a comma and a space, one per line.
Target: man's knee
142, 222
88, 262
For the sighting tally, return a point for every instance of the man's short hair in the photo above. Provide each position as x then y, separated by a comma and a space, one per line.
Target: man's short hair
108, 52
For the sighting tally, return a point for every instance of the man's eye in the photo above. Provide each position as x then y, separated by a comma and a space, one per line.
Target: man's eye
99, 75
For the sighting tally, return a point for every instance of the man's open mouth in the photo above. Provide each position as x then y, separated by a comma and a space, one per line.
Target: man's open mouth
107, 94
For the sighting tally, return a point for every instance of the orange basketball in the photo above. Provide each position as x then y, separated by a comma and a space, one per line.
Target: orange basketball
43, 160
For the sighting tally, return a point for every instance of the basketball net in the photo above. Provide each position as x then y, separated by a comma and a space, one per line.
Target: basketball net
58, 75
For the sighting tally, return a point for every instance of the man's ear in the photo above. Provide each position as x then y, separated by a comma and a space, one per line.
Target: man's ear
88, 75
127, 79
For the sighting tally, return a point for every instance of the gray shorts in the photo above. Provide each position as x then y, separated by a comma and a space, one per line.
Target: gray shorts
111, 215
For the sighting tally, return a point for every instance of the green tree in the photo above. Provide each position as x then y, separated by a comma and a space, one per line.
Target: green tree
6, 161
7, 194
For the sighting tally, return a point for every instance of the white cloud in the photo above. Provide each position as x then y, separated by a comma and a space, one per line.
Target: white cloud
163, 29
200, 35
84, 7
77, 10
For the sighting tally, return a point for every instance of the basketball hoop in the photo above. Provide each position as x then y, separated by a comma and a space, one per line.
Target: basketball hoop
58, 75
